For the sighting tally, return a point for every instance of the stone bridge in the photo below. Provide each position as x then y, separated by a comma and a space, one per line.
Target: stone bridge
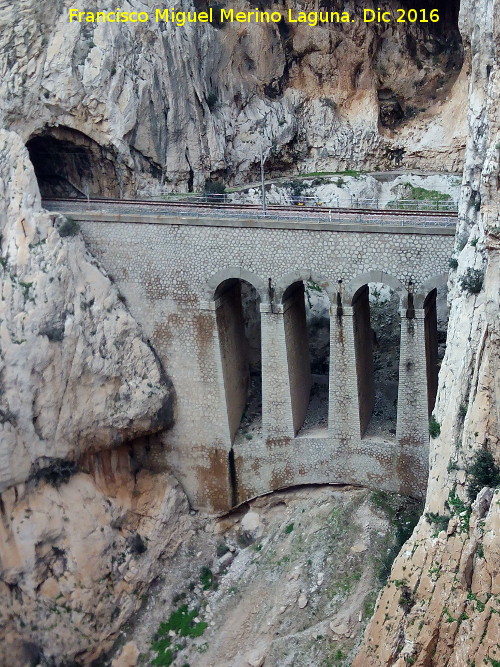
183, 280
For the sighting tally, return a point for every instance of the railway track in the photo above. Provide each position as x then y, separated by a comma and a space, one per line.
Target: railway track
216, 206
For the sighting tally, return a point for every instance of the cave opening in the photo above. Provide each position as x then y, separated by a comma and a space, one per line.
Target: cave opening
68, 163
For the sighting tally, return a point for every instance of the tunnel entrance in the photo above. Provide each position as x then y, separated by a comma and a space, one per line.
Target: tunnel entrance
306, 312
238, 325
68, 163
377, 334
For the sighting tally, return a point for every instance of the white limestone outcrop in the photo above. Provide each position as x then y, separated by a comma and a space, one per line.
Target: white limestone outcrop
441, 603
172, 106
75, 373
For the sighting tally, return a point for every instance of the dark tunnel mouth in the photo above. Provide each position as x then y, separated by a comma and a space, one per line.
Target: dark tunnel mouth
68, 163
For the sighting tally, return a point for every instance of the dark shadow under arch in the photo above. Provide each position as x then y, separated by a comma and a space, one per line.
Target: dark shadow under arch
238, 325
306, 321
377, 337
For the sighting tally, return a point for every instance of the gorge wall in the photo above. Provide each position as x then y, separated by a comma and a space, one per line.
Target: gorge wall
151, 106
441, 606
155, 105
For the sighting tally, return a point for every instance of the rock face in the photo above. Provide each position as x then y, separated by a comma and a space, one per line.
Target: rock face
75, 374
294, 581
147, 105
441, 605
70, 579
78, 386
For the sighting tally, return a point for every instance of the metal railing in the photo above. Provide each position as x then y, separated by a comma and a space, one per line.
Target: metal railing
330, 215
351, 201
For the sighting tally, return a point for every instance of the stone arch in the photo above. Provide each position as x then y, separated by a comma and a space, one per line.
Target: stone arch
435, 282
377, 343
283, 283
306, 323
357, 282
236, 273
69, 163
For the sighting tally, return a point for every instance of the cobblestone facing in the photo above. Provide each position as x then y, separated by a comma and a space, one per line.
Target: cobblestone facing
167, 274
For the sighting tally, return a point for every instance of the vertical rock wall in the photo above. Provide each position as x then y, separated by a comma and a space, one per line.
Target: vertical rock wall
442, 603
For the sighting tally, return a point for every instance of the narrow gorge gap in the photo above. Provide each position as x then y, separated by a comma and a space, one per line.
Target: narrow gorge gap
435, 327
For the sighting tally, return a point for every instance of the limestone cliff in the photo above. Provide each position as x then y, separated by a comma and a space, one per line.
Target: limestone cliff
77, 380
442, 604
75, 374
147, 105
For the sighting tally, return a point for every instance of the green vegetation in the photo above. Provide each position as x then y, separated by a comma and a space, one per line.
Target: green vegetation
182, 622
221, 549
207, 578
406, 599
441, 521
480, 606
69, 227
314, 286
434, 427
403, 518
434, 200
460, 509
289, 528
472, 281
482, 472
453, 263
214, 187
369, 605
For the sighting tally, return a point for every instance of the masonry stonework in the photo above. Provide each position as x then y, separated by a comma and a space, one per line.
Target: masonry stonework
168, 270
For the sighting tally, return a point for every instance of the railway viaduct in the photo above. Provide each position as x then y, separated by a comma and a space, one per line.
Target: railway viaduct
183, 279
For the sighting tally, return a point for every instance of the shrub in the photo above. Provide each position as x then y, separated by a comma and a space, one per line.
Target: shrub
214, 187
434, 427
212, 100
206, 578
482, 472
441, 521
453, 263
68, 227
182, 623
406, 599
472, 281
460, 509
221, 549
136, 544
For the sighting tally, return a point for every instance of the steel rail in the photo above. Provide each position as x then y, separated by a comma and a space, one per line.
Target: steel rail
296, 209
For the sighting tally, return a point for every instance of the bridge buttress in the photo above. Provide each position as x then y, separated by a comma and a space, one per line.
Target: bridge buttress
412, 431
343, 409
277, 418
